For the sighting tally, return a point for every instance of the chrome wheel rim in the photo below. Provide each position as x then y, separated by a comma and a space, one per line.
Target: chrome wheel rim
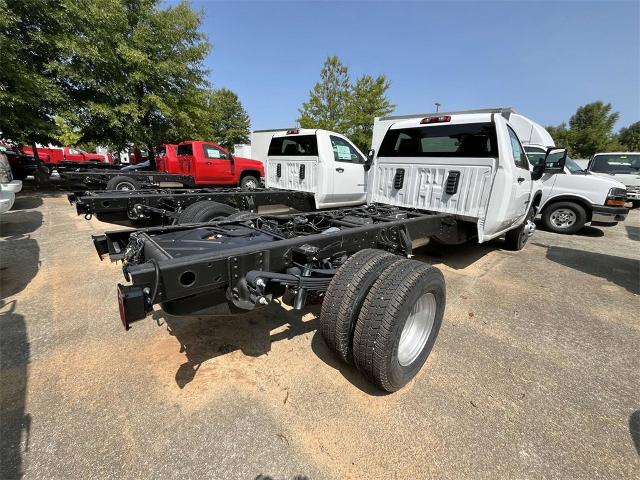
125, 186
417, 329
563, 218
251, 184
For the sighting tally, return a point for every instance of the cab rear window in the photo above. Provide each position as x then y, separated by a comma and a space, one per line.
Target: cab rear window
463, 140
186, 149
299, 145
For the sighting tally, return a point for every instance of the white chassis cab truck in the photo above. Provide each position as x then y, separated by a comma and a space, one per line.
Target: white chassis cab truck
468, 164
449, 177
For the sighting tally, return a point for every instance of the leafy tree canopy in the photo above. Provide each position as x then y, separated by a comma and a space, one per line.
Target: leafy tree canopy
629, 137
337, 104
227, 123
132, 69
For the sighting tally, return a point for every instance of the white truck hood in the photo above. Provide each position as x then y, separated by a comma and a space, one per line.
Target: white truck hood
628, 179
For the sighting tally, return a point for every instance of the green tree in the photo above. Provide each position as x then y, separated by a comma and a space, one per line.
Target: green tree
328, 99
591, 129
629, 137
133, 70
29, 93
367, 101
560, 135
228, 122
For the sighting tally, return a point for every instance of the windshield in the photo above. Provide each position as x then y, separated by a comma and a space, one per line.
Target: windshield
573, 166
616, 163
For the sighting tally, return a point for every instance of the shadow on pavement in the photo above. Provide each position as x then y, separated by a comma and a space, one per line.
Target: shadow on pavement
24, 202
15, 422
18, 223
622, 271
320, 348
20, 264
634, 429
455, 256
633, 232
589, 231
204, 338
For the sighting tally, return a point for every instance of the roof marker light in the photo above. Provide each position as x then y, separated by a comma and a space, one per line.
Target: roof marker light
293, 131
438, 119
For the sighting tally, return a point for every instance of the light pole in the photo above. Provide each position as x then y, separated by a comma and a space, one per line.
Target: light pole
437, 107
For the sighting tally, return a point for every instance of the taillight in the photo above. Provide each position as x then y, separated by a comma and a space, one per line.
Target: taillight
132, 304
438, 119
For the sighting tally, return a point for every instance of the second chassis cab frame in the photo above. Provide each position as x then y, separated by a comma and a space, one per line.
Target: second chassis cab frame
165, 205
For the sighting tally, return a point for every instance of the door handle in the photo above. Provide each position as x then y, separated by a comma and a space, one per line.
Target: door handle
339, 170
209, 163
520, 179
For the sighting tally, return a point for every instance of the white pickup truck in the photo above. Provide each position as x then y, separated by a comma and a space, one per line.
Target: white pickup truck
620, 166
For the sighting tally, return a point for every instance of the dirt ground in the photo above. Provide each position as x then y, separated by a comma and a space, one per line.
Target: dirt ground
535, 374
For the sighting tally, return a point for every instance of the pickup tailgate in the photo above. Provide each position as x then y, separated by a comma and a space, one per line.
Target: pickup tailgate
448, 185
299, 174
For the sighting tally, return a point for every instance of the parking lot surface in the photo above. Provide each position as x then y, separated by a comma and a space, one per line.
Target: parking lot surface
535, 374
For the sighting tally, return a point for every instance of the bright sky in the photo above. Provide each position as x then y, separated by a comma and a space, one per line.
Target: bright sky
543, 58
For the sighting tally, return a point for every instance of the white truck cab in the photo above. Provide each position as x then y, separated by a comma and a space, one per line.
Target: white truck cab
469, 164
317, 161
576, 198
621, 166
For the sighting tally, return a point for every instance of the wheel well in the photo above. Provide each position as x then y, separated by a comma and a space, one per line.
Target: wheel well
253, 173
536, 199
588, 208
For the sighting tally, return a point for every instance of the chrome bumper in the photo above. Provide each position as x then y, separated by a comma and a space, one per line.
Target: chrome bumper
602, 214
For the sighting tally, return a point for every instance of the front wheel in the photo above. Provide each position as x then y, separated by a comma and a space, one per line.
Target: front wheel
517, 238
249, 181
635, 203
564, 217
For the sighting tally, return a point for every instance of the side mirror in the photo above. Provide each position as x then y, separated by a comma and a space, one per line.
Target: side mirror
369, 160
555, 160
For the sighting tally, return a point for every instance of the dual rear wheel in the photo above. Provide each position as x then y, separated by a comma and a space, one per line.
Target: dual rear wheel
383, 313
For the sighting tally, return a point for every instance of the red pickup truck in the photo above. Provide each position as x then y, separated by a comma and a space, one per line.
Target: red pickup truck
193, 163
68, 154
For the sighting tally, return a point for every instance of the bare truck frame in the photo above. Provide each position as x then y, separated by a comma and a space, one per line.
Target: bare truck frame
352, 254
166, 205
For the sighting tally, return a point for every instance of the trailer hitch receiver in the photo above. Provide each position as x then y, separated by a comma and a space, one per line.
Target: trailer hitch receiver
132, 301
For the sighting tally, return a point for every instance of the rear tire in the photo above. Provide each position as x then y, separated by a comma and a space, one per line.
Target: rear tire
249, 181
635, 203
564, 217
204, 211
122, 182
399, 323
345, 295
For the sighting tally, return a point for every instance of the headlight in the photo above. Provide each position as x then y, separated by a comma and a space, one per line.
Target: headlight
616, 197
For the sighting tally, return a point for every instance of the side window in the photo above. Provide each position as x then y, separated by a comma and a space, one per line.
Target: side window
73, 151
214, 152
343, 151
535, 155
519, 157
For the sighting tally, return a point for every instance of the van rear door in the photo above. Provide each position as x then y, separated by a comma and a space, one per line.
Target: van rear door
292, 162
